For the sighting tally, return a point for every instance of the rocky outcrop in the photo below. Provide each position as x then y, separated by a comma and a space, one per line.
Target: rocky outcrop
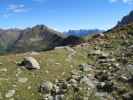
126, 20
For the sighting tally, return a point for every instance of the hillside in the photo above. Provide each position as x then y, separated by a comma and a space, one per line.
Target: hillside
37, 38
109, 78
7, 37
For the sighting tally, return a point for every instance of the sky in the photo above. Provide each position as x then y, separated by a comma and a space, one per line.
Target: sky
63, 15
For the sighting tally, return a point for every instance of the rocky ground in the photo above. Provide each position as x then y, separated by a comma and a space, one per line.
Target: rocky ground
101, 69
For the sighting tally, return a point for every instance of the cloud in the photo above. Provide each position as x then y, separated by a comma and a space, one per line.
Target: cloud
14, 9
17, 8
123, 1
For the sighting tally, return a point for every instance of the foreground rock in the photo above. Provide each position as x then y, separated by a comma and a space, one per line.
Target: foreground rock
30, 63
10, 93
77, 83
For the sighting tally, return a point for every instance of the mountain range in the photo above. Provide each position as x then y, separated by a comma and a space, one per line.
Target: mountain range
38, 38
83, 32
41, 37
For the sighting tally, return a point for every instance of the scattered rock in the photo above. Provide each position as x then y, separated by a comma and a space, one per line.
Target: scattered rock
128, 96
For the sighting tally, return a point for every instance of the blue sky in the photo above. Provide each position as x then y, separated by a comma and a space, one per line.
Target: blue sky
63, 14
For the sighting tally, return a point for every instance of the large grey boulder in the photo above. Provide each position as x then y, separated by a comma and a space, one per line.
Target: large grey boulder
30, 63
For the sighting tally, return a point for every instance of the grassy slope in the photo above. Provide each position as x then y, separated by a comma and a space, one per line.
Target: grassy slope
47, 61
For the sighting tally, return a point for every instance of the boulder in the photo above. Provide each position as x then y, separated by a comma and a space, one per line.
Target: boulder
46, 87
30, 63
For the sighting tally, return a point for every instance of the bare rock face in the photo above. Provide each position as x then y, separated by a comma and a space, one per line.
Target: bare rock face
30, 63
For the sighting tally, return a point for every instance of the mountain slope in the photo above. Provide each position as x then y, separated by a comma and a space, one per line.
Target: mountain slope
37, 38
128, 19
7, 37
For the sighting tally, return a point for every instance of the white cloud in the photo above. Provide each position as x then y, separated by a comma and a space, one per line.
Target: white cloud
17, 8
124, 1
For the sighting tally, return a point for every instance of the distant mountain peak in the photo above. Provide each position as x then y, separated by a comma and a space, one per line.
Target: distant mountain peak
128, 19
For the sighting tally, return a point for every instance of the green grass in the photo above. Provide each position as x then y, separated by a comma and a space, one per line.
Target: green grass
53, 66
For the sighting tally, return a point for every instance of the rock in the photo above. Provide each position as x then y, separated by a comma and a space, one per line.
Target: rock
22, 79
130, 68
95, 52
46, 87
85, 67
105, 86
86, 81
50, 97
59, 97
30, 63
56, 89
10, 93
75, 72
76, 77
3, 70
47, 71
1, 63
102, 95
128, 96
47, 97
102, 76
124, 78
73, 82
29, 87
